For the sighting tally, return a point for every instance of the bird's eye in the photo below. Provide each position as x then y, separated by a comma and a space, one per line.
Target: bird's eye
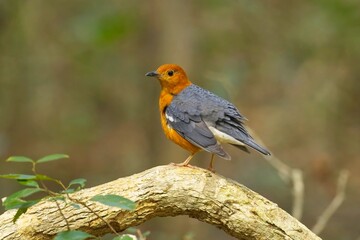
170, 73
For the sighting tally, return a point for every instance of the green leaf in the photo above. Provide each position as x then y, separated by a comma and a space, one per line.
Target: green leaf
57, 198
19, 159
69, 190
132, 230
14, 200
125, 237
73, 235
115, 201
18, 176
52, 157
19, 212
13, 203
24, 193
44, 177
19, 203
79, 181
28, 183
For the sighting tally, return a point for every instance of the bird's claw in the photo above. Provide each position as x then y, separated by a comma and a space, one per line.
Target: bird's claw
181, 165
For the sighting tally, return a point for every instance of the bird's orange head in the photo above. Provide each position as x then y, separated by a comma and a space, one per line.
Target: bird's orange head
172, 78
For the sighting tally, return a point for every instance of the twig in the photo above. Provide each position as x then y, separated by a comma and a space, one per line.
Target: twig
284, 170
295, 176
292, 176
95, 213
54, 194
298, 193
50, 193
141, 236
335, 203
62, 215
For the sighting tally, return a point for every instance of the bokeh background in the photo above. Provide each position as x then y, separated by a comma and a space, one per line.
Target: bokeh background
72, 81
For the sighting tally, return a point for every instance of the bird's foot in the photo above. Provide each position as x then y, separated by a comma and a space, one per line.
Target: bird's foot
185, 163
181, 165
211, 169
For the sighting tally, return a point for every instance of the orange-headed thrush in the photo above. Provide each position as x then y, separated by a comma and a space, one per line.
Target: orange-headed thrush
197, 119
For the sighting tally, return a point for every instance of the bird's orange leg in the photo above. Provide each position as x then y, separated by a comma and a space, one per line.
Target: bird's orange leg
185, 163
211, 163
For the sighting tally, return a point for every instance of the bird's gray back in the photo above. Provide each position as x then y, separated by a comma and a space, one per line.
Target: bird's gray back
197, 101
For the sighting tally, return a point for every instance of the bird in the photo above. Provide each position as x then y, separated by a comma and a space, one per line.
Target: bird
197, 119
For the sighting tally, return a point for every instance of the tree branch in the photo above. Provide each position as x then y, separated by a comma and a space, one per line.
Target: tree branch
159, 192
335, 203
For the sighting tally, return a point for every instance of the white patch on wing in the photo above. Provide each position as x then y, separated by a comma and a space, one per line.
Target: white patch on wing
169, 118
224, 138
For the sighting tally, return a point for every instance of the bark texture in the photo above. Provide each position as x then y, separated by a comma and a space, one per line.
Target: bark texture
163, 191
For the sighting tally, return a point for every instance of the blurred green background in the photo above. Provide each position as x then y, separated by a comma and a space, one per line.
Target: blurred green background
72, 81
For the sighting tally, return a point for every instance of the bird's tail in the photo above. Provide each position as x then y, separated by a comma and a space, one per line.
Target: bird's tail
218, 150
251, 143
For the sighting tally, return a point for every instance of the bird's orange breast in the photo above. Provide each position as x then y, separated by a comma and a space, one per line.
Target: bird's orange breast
164, 101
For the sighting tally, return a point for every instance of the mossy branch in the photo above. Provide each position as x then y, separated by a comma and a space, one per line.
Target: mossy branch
162, 191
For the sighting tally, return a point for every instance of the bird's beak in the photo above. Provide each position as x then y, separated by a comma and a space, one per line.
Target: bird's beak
152, 74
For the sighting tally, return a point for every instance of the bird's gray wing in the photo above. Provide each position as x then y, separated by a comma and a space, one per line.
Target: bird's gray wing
191, 127
220, 114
